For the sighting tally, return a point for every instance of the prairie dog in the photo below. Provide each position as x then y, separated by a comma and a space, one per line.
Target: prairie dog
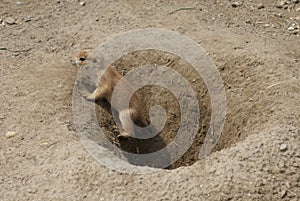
104, 90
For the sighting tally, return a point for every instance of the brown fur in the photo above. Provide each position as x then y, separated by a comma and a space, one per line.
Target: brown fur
105, 88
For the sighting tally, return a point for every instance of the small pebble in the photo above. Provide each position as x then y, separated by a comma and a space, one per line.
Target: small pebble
10, 21
293, 26
295, 1
287, 184
44, 144
236, 4
19, 3
283, 147
281, 4
260, 6
283, 193
298, 9
82, 3
10, 134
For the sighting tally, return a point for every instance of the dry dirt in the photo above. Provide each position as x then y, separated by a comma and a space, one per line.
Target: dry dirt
255, 48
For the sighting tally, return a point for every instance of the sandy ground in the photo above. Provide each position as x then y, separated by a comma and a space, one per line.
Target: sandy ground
255, 48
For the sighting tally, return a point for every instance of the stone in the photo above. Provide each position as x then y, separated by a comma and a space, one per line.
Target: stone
44, 144
295, 1
10, 134
10, 21
260, 6
283, 193
281, 4
293, 26
236, 4
287, 184
283, 147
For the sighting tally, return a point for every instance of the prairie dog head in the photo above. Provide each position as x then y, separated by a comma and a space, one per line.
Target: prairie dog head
79, 58
90, 64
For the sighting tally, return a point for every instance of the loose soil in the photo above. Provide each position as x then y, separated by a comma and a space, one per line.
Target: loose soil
254, 48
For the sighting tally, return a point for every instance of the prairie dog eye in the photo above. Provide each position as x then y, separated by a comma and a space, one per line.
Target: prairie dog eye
82, 59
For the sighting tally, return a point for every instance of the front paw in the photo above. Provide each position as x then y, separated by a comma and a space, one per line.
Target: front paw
89, 97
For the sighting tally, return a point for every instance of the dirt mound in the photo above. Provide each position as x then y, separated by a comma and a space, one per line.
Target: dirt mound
255, 48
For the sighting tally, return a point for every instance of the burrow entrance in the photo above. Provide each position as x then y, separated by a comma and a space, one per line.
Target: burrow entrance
233, 73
